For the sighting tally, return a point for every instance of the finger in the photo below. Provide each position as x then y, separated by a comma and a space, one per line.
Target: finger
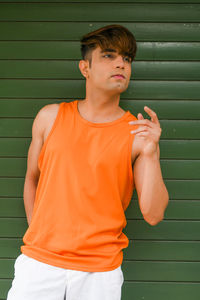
142, 134
140, 116
152, 114
140, 129
143, 122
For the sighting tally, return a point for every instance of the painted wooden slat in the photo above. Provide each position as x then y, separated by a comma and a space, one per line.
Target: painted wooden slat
171, 169
137, 249
137, 290
141, 289
13, 147
10, 247
176, 209
172, 129
138, 89
182, 149
165, 109
180, 169
178, 189
106, 1
71, 50
161, 250
187, 230
11, 187
61, 31
100, 12
139, 270
156, 31
161, 271
183, 189
174, 110
165, 230
65, 69
5, 285
171, 149
12, 207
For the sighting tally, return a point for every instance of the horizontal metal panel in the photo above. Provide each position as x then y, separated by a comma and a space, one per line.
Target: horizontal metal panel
139, 270
178, 189
171, 149
161, 271
176, 209
171, 169
165, 109
100, 12
137, 250
181, 149
183, 189
61, 31
14, 147
136, 290
180, 169
162, 250
65, 69
10, 247
187, 230
138, 89
171, 129
71, 50
106, 1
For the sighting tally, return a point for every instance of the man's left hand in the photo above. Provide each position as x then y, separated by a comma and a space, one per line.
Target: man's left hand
148, 130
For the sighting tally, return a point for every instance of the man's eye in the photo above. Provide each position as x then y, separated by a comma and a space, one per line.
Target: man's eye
128, 59
110, 55
107, 55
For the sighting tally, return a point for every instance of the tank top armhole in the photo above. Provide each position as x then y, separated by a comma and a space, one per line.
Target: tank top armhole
130, 146
50, 133
130, 174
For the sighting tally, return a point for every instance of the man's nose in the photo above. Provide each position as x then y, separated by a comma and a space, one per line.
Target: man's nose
120, 61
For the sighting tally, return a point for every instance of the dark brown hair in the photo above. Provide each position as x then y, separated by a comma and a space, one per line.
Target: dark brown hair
115, 36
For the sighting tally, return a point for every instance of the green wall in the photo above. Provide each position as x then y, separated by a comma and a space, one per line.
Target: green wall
39, 55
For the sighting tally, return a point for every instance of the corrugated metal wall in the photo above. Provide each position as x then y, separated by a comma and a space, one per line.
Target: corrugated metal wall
39, 55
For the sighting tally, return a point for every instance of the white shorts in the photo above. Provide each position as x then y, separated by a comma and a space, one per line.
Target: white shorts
35, 280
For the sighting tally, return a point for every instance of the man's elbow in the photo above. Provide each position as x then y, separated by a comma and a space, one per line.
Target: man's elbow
153, 221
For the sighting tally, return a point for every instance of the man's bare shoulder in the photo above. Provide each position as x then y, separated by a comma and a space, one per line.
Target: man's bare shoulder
45, 119
49, 109
47, 113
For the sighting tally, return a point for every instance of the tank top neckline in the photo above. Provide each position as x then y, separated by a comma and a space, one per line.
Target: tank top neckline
89, 123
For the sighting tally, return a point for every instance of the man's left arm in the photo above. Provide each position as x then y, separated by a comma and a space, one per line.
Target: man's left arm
152, 193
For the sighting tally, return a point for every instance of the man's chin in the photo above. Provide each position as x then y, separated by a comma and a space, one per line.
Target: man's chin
119, 89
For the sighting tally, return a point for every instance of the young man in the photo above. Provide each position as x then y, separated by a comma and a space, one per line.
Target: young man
85, 159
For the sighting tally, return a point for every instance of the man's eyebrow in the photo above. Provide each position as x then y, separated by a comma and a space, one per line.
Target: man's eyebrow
108, 50
113, 50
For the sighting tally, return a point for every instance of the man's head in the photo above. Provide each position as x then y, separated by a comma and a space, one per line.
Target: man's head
107, 51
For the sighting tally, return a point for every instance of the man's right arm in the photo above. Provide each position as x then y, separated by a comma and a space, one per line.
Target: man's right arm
33, 172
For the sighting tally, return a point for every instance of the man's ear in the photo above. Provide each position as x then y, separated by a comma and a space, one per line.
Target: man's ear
83, 66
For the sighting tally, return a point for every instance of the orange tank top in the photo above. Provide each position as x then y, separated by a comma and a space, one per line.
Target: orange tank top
85, 185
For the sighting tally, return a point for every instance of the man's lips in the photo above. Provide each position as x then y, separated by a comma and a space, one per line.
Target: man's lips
119, 76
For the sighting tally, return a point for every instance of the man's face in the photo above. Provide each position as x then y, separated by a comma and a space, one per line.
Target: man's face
105, 64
